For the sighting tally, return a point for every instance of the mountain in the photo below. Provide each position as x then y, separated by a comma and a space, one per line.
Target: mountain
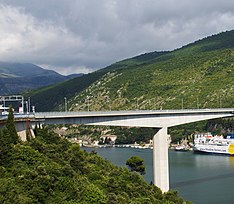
198, 75
47, 98
71, 76
12, 70
18, 77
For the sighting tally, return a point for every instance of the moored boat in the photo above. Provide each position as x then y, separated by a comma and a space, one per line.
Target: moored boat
182, 148
206, 143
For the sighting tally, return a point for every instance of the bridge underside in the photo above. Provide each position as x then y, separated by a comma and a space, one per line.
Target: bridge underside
157, 121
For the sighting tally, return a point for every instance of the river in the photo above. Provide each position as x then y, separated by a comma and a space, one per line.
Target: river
202, 179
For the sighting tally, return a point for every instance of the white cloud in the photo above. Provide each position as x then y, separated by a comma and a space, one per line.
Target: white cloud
83, 35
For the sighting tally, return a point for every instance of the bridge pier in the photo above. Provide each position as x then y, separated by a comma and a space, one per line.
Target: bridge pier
160, 159
24, 130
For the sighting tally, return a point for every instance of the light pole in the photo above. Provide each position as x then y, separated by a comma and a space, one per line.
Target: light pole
65, 103
22, 104
26, 106
29, 105
4, 104
33, 109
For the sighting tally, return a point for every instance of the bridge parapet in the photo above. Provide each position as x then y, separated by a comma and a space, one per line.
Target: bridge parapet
142, 118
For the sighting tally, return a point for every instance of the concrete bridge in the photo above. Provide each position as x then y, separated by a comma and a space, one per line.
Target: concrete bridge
159, 119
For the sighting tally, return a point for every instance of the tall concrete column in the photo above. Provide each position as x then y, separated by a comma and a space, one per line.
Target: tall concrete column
160, 160
23, 128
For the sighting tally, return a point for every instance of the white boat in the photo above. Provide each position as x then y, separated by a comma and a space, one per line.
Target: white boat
206, 143
182, 148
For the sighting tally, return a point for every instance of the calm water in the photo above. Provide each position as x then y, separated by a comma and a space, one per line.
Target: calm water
202, 179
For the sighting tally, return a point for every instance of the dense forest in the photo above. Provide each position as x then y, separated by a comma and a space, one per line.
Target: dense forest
49, 169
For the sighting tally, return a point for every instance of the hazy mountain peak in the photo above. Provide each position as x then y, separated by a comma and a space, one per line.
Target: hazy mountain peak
9, 69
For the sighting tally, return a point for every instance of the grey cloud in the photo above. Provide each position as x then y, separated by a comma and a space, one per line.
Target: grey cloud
83, 35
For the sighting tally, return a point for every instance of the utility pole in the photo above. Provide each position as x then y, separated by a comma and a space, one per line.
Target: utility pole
29, 109
22, 102
4, 103
65, 104
26, 102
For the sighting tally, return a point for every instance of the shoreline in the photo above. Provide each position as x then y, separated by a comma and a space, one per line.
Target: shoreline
172, 147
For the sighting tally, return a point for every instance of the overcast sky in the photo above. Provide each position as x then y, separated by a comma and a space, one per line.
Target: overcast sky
74, 36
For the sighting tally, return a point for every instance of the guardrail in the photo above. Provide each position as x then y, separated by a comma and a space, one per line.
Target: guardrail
41, 115
132, 112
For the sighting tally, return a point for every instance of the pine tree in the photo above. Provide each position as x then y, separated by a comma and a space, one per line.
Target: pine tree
10, 129
8, 137
136, 163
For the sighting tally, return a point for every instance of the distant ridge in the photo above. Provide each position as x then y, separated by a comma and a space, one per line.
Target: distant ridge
24, 70
18, 77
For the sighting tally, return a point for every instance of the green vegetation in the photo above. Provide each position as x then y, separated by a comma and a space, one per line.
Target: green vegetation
88, 133
48, 98
220, 126
199, 75
216, 127
194, 76
170, 84
132, 135
10, 130
136, 163
49, 169
8, 138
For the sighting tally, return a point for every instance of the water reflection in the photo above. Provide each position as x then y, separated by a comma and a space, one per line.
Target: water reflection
231, 161
201, 180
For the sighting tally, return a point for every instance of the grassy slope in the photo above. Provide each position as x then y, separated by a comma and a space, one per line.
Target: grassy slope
200, 74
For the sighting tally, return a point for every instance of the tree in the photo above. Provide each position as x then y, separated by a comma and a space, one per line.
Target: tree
8, 138
136, 163
10, 129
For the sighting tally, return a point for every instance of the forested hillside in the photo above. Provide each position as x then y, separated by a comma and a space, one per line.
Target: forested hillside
49, 169
48, 98
198, 75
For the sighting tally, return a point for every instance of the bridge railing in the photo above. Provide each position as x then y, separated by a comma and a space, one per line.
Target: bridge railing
130, 112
